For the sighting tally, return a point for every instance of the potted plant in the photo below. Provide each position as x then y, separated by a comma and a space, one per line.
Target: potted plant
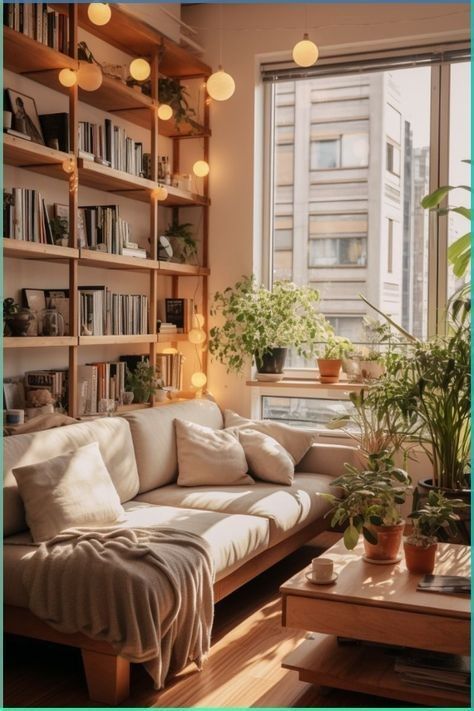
142, 381
16, 319
368, 502
435, 516
260, 325
182, 241
331, 355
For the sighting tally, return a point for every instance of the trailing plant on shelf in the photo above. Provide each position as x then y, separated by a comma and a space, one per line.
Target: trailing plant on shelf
184, 244
171, 92
257, 320
143, 381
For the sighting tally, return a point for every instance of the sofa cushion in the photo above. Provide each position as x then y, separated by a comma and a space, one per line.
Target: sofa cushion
266, 458
154, 438
233, 540
116, 447
73, 489
201, 451
287, 509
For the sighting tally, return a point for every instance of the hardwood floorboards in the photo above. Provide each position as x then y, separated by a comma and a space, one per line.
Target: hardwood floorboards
243, 669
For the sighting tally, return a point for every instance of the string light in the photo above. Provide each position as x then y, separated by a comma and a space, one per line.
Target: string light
165, 112
198, 380
201, 168
89, 76
99, 13
198, 321
140, 69
197, 336
159, 193
67, 77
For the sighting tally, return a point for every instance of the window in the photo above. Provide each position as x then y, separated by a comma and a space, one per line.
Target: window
338, 240
350, 150
325, 154
303, 411
393, 159
390, 246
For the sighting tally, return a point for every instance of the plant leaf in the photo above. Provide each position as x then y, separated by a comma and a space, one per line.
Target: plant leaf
351, 536
369, 536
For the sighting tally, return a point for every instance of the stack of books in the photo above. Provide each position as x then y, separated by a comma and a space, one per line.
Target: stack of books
25, 216
167, 329
110, 145
105, 230
449, 672
169, 368
180, 313
97, 381
40, 22
105, 314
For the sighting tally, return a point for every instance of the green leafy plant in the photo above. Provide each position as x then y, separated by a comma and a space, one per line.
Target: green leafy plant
10, 308
434, 518
368, 498
171, 92
142, 381
182, 238
257, 320
335, 347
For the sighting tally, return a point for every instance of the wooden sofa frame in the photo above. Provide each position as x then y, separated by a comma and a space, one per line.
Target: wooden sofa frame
108, 675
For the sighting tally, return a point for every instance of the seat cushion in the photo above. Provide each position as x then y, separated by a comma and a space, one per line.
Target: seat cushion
287, 508
233, 540
116, 448
154, 438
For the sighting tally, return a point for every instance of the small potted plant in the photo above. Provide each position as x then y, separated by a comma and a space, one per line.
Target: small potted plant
331, 355
142, 381
369, 502
435, 517
260, 325
182, 241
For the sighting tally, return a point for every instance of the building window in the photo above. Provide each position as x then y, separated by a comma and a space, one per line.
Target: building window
325, 154
393, 158
304, 411
338, 252
350, 150
389, 246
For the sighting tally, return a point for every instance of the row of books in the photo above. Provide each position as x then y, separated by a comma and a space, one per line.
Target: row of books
180, 313
435, 670
105, 314
40, 22
97, 381
25, 216
169, 368
109, 144
102, 225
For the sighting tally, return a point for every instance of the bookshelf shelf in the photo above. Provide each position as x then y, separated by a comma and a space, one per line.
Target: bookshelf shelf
24, 55
171, 337
20, 249
173, 269
101, 177
91, 258
115, 340
184, 130
39, 341
33, 156
181, 198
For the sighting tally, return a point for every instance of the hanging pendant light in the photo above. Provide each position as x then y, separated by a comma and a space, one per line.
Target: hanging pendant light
305, 53
140, 69
99, 13
198, 379
220, 85
201, 168
165, 112
67, 77
89, 76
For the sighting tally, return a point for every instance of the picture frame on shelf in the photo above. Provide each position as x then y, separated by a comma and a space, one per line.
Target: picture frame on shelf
13, 394
35, 300
25, 115
61, 212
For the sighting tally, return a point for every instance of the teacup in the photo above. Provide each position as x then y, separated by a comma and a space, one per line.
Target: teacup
322, 570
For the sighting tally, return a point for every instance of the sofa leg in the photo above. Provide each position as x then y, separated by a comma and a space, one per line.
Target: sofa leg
107, 676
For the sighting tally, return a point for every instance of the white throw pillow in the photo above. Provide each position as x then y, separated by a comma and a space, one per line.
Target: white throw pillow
73, 489
266, 458
295, 441
208, 457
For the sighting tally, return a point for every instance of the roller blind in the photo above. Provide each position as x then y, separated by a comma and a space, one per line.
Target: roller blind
376, 61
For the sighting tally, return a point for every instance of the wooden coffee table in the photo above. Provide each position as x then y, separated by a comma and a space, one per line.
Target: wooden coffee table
376, 603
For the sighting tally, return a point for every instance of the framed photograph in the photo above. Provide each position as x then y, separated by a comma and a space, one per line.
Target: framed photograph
13, 395
25, 115
35, 300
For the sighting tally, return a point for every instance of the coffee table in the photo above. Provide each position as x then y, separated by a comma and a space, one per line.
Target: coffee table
376, 603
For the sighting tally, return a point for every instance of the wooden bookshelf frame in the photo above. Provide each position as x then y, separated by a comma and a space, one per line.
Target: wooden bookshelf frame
25, 56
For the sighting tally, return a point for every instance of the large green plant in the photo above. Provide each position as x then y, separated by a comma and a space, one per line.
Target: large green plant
257, 320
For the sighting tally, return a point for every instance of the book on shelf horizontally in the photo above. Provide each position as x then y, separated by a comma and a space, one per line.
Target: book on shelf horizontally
39, 21
103, 313
97, 381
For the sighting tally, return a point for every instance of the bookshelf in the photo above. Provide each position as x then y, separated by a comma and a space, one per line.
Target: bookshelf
26, 57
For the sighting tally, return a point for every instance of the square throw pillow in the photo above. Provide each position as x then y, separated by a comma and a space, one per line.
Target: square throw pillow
295, 441
266, 458
208, 457
73, 489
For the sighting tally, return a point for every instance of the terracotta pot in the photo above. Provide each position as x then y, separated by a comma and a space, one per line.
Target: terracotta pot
329, 370
464, 524
389, 541
420, 560
371, 369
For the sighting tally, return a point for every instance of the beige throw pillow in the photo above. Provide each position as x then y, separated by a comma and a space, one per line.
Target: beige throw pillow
208, 457
266, 458
295, 441
73, 489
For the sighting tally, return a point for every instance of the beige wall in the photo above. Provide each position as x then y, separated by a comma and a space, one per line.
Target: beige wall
256, 32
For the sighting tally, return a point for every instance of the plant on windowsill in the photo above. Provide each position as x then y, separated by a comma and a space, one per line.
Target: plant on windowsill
368, 502
330, 356
432, 520
260, 325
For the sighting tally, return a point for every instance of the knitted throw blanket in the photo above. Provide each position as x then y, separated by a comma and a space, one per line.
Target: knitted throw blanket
146, 591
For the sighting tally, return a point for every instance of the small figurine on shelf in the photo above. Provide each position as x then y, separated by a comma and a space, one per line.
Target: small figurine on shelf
39, 402
17, 320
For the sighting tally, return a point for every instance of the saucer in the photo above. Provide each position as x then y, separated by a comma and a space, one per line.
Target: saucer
269, 377
392, 561
310, 579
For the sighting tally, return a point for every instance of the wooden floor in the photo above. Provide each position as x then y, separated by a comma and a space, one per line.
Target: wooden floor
243, 670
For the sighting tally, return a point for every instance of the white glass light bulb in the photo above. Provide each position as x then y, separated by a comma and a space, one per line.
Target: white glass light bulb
159, 193
67, 77
198, 380
220, 86
89, 76
305, 53
198, 321
99, 13
165, 112
140, 69
201, 168
196, 336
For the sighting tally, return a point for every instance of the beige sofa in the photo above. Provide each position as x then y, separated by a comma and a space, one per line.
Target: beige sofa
248, 528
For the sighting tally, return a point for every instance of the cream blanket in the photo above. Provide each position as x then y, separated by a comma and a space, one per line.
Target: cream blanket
146, 591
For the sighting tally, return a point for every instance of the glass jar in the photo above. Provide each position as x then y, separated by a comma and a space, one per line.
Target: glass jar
51, 323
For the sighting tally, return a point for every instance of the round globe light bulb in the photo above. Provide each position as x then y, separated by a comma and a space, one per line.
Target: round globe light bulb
140, 69
198, 380
165, 112
67, 77
68, 165
89, 76
220, 86
159, 193
201, 168
196, 336
99, 13
305, 53
170, 351
198, 321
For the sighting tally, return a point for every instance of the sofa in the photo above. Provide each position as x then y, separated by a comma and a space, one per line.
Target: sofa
248, 528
